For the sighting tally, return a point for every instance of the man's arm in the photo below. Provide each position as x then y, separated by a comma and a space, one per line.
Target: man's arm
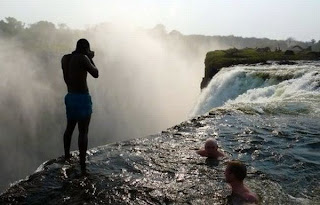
64, 65
90, 67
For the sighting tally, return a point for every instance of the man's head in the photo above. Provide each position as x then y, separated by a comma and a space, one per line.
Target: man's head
83, 46
235, 171
211, 145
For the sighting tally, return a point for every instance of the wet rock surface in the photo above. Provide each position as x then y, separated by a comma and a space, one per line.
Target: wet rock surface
158, 169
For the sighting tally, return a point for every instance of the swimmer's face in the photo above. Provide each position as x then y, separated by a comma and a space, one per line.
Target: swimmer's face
210, 146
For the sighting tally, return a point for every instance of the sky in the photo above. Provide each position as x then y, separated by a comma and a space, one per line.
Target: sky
274, 19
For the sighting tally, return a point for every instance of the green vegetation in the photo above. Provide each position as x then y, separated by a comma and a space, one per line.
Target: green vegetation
39, 38
44, 36
234, 56
215, 60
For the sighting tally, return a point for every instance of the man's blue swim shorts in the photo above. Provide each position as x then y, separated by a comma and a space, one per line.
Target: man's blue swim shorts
78, 106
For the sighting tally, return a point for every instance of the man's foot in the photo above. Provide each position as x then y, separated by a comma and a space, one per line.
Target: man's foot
67, 157
83, 167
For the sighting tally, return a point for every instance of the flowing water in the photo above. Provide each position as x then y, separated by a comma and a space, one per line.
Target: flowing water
265, 115
278, 130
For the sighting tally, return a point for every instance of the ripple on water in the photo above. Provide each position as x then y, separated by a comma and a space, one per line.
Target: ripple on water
164, 168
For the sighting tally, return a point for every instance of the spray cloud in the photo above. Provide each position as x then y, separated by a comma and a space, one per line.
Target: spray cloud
148, 82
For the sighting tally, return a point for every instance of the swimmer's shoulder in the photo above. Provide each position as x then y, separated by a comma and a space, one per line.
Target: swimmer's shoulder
251, 197
202, 152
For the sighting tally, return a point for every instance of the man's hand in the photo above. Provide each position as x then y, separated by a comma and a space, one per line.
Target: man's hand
90, 54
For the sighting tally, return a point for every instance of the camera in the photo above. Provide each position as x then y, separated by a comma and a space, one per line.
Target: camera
90, 54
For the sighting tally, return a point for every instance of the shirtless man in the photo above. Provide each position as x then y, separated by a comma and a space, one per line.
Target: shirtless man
75, 67
235, 173
210, 150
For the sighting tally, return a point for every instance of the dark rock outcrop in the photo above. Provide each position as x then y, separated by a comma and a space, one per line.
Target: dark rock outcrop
289, 53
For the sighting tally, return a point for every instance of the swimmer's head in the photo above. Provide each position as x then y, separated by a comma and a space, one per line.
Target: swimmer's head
210, 145
235, 170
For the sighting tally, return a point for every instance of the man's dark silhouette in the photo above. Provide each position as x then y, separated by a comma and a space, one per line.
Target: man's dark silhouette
75, 67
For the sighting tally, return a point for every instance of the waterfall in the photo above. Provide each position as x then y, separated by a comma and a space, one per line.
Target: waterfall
267, 88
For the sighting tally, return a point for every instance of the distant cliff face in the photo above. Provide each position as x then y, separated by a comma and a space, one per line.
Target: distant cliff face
215, 60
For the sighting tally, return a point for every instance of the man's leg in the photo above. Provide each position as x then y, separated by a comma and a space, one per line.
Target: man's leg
83, 126
71, 124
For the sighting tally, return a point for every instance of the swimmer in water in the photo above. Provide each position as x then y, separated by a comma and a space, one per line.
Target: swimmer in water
235, 173
210, 150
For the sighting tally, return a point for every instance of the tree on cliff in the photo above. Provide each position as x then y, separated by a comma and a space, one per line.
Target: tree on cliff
290, 41
11, 27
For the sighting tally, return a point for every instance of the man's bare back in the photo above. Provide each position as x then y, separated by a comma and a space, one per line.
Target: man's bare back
75, 68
